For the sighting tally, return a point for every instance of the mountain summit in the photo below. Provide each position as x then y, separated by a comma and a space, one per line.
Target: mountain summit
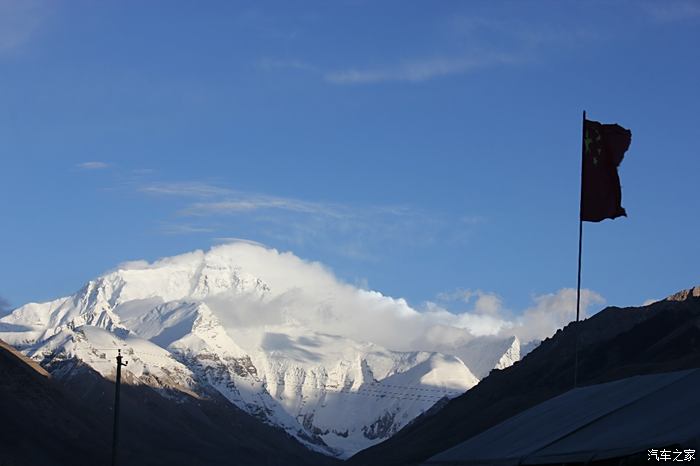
278, 337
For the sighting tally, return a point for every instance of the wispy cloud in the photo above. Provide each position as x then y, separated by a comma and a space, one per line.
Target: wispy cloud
233, 239
94, 165
358, 232
250, 203
516, 35
671, 11
226, 200
185, 189
184, 229
286, 64
20, 20
464, 44
230, 201
418, 70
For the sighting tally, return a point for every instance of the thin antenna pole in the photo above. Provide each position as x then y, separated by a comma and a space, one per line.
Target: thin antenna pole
115, 427
580, 244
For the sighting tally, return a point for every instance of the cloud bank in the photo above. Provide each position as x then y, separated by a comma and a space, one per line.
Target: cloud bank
307, 294
486, 313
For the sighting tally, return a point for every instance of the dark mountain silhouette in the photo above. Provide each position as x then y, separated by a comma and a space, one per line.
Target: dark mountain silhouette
67, 419
41, 424
614, 344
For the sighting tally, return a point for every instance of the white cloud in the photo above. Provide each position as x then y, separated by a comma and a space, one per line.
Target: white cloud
362, 283
474, 321
488, 304
133, 265
552, 311
94, 165
489, 316
308, 294
418, 70
485, 303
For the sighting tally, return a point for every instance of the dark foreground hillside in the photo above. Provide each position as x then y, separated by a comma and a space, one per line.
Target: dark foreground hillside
49, 422
40, 424
614, 344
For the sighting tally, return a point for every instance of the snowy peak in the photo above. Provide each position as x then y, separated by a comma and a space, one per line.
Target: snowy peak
511, 355
217, 275
94, 306
485, 353
90, 306
685, 294
195, 275
276, 336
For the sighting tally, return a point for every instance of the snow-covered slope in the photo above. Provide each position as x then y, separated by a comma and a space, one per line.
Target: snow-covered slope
485, 353
278, 337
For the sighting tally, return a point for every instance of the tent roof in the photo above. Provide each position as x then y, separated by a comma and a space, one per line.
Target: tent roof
595, 422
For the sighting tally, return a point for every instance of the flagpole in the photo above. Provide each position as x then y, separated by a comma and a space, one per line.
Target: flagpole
580, 244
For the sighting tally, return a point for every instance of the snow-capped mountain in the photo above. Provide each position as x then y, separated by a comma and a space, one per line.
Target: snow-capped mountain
279, 337
485, 353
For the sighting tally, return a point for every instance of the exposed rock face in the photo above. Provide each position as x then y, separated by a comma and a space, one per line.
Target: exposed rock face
685, 294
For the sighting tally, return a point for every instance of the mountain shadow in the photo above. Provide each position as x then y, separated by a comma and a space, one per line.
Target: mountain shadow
66, 419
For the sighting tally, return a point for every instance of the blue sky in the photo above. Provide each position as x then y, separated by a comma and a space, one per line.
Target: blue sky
417, 148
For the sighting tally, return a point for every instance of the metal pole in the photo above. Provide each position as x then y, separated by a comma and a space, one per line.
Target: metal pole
580, 243
115, 427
